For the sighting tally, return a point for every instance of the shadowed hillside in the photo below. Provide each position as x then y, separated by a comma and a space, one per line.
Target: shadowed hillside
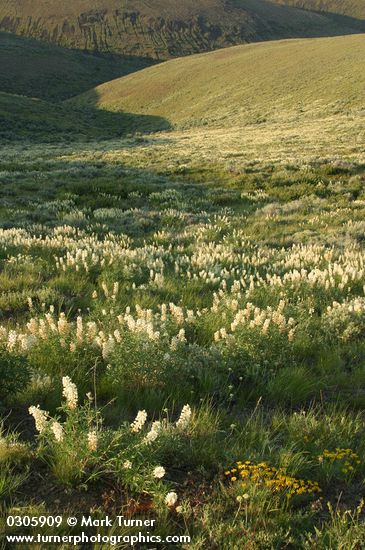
23, 118
251, 83
47, 71
161, 29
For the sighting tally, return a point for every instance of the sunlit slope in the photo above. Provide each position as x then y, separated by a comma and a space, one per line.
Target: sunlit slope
165, 28
245, 84
351, 8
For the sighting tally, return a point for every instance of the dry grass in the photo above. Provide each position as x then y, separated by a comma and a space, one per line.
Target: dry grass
162, 29
352, 8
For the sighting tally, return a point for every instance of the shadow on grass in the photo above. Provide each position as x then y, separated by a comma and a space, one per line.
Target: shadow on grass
26, 119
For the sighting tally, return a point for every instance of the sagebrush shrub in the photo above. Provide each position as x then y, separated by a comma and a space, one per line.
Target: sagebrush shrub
14, 374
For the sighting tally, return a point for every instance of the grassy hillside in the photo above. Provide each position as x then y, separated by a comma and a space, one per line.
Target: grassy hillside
37, 69
244, 84
352, 8
162, 29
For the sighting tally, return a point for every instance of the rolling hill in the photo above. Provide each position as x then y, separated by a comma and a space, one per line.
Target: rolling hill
33, 68
254, 83
161, 29
351, 8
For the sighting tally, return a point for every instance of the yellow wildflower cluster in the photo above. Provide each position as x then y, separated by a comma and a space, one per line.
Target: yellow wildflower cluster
275, 479
347, 457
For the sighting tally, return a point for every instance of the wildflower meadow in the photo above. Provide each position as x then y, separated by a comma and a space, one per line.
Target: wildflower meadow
182, 339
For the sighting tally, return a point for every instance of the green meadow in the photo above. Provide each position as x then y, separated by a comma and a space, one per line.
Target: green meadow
182, 307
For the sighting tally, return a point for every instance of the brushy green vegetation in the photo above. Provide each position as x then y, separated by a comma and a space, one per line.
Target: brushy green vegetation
162, 29
183, 319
